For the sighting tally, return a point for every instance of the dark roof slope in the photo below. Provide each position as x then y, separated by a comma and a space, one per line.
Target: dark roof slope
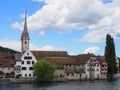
101, 59
43, 54
83, 58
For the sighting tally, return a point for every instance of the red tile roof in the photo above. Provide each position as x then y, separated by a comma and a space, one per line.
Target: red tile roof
18, 57
6, 60
83, 58
61, 58
43, 54
101, 59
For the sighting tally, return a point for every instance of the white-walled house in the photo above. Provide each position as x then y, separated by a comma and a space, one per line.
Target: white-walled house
24, 66
27, 62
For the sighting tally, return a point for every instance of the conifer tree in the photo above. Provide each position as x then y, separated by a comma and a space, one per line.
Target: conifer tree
110, 56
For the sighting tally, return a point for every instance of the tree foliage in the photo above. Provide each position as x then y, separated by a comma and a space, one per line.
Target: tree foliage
3, 49
1, 72
110, 55
44, 70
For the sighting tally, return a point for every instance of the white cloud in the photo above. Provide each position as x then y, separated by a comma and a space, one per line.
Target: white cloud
22, 15
12, 44
16, 45
91, 50
47, 47
68, 15
42, 33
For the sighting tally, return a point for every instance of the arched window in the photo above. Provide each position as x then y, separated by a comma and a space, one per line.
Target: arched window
25, 42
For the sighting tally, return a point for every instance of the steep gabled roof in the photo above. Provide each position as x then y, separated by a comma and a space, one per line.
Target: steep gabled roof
83, 58
101, 59
18, 57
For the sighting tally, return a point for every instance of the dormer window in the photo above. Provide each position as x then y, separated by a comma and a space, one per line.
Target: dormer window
28, 54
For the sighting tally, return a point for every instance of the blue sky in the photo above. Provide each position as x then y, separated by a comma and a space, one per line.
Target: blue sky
76, 26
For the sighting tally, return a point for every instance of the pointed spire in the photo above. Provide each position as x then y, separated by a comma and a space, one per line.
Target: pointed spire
25, 34
25, 23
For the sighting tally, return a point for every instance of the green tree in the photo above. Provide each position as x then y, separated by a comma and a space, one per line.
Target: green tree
1, 72
110, 56
44, 70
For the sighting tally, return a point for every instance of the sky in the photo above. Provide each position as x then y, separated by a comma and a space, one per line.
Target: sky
75, 26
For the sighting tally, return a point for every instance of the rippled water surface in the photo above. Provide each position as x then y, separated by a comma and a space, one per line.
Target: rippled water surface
72, 85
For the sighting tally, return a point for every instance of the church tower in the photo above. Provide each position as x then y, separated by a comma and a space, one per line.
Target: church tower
25, 37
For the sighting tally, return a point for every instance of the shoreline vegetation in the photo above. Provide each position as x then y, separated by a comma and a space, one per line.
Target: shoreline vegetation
26, 80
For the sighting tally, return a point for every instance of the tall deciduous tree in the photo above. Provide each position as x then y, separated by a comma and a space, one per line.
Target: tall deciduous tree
44, 70
110, 56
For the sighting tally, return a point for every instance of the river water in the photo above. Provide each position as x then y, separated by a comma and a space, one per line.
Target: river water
71, 85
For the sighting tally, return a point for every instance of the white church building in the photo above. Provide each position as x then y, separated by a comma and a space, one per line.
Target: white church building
24, 61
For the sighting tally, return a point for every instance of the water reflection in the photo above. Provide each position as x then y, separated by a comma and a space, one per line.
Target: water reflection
72, 85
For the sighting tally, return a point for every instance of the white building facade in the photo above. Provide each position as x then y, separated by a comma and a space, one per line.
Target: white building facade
24, 65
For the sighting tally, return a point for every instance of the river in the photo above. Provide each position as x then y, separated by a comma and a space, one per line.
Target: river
71, 85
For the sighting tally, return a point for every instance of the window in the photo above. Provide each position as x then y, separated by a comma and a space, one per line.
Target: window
33, 62
22, 62
98, 65
24, 68
80, 75
94, 64
17, 69
87, 69
27, 53
28, 62
29, 75
97, 69
25, 42
67, 74
30, 68
91, 69
27, 57
72, 74
25, 75
90, 60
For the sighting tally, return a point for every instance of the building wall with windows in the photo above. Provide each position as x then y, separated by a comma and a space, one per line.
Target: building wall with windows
27, 62
17, 68
24, 66
7, 69
93, 69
